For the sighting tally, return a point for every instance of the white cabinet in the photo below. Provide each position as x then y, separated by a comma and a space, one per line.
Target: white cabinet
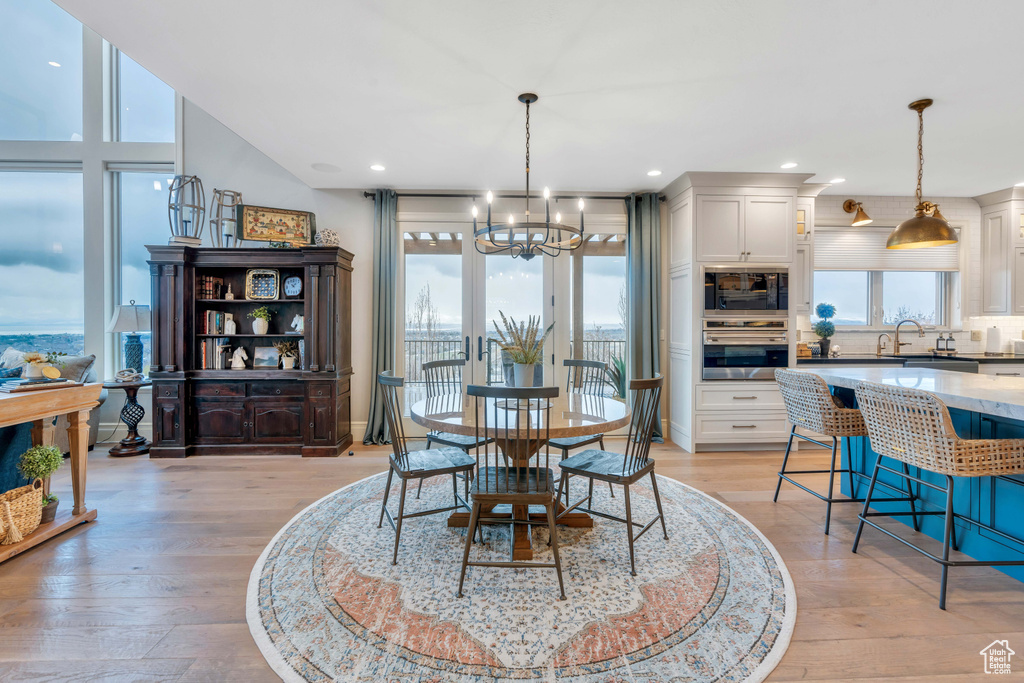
801, 279
745, 228
995, 281
720, 228
1001, 369
804, 219
1017, 277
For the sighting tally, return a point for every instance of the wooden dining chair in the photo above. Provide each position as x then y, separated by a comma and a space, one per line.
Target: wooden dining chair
583, 377
622, 468
445, 377
506, 418
415, 464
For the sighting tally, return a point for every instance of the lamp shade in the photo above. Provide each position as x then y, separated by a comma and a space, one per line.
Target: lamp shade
130, 318
921, 231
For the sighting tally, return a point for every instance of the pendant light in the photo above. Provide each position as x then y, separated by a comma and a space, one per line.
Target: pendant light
928, 227
530, 237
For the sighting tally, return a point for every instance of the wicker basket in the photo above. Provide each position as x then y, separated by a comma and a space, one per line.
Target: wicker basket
20, 512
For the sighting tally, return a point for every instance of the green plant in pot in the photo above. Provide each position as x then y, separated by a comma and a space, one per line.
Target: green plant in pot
824, 328
39, 462
261, 320
524, 344
616, 372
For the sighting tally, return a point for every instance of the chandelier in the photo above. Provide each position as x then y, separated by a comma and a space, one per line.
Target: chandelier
529, 238
928, 227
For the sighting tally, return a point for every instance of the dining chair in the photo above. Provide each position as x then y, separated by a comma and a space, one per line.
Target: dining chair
420, 465
583, 377
516, 420
622, 468
914, 427
445, 377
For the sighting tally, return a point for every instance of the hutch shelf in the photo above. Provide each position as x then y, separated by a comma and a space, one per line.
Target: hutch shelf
198, 410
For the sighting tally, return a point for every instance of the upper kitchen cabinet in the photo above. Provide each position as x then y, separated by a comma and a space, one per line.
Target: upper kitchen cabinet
1002, 238
754, 228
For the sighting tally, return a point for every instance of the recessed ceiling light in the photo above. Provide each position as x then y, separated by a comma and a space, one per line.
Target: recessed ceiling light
377, 167
789, 164
654, 172
57, 64
837, 180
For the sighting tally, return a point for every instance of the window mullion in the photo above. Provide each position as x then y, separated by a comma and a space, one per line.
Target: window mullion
875, 292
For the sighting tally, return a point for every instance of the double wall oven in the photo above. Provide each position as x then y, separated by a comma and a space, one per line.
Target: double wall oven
745, 325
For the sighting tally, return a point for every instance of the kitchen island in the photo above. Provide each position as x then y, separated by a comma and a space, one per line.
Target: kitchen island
981, 407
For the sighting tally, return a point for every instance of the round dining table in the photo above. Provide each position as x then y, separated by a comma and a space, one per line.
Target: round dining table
570, 415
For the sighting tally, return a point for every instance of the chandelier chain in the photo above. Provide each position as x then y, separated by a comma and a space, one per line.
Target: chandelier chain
527, 160
920, 151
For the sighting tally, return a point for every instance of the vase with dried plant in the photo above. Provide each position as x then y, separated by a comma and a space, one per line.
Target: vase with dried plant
524, 344
289, 351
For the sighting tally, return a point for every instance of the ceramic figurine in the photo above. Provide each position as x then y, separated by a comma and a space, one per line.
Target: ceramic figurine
326, 238
229, 324
298, 324
238, 359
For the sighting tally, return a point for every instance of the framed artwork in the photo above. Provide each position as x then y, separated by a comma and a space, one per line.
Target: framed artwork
264, 224
265, 357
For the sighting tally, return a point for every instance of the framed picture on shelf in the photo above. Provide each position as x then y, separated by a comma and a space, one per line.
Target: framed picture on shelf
265, 224
265, 357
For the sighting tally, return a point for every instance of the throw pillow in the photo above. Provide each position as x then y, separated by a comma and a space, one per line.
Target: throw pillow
12, 358
75, 368
7, 373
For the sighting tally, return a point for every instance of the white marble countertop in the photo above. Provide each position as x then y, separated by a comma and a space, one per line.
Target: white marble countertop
987, 394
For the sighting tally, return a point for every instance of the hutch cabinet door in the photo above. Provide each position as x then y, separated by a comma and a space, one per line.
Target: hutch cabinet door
321, 422
167, 422
995, 277
277, 421
768, 229
219, 421
719, 228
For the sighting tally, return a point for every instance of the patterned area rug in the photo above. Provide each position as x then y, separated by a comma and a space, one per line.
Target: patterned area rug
713, 603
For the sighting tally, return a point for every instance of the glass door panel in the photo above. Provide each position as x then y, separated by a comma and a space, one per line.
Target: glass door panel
433, 305
599, 303
515, 287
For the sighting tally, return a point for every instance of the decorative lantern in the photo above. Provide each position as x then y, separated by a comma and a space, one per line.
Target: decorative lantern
186, 210
223, 224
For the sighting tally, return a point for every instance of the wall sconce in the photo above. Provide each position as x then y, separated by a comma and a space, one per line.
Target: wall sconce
849, 206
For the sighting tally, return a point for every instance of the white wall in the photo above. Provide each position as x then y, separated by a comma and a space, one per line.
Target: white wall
224, 160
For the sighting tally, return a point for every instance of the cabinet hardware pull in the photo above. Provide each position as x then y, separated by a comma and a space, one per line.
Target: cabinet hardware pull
216, 391
310, 425
278, 391
744, 398
744, 426
1008, 374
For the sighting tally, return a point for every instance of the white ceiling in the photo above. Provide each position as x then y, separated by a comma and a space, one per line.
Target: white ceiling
428, 89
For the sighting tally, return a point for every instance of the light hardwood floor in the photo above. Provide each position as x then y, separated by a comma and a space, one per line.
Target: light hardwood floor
155, 589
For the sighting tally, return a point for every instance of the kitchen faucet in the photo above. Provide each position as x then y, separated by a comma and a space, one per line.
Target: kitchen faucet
897, 344
880, 345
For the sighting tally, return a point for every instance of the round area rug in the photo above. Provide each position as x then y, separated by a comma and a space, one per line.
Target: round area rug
713, 603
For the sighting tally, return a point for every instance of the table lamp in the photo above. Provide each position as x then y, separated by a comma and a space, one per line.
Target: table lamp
130, 320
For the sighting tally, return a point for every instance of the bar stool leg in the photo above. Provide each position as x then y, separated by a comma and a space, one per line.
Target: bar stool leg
849, 466
912, 496
384, 504
946, 537
831, 479
867, 503
785, 459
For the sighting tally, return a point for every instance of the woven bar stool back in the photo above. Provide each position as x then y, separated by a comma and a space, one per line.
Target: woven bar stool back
809, 404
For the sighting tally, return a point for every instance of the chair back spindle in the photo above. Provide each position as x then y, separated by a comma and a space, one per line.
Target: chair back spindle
389, 386
586, 377
444, 376
646, 398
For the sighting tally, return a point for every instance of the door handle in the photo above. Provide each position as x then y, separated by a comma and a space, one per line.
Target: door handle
479, 348
466, 352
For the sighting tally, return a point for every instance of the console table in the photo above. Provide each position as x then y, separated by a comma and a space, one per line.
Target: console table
39, 408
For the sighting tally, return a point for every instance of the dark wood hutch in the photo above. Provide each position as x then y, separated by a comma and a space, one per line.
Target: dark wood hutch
260, 411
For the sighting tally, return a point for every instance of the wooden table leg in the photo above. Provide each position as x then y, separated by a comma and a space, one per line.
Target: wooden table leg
78, 436
42, 432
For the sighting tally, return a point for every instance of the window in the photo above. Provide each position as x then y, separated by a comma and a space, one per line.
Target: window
40, 72
41, 263
146, 104
142, 217
882, 298
605, 305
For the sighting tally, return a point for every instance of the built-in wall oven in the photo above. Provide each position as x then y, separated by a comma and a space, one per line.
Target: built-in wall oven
729, 290
737, 348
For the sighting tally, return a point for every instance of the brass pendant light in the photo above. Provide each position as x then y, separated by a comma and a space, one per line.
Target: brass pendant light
928, 227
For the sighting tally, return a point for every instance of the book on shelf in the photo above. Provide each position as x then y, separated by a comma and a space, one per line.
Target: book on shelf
213, 353
19, 385
212, 322
210, 287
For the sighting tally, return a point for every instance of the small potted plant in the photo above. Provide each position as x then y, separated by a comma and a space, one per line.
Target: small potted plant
824, 327
39, 462
524, 344
616, 372
289, 351
261, 320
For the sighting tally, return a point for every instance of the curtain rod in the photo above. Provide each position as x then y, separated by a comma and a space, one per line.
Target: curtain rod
455, 195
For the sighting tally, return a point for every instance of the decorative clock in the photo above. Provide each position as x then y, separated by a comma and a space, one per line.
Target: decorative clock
262, 284
292, 286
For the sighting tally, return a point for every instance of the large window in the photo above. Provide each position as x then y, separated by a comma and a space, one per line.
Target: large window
40, 72
882, 298
41, 262
146, 104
